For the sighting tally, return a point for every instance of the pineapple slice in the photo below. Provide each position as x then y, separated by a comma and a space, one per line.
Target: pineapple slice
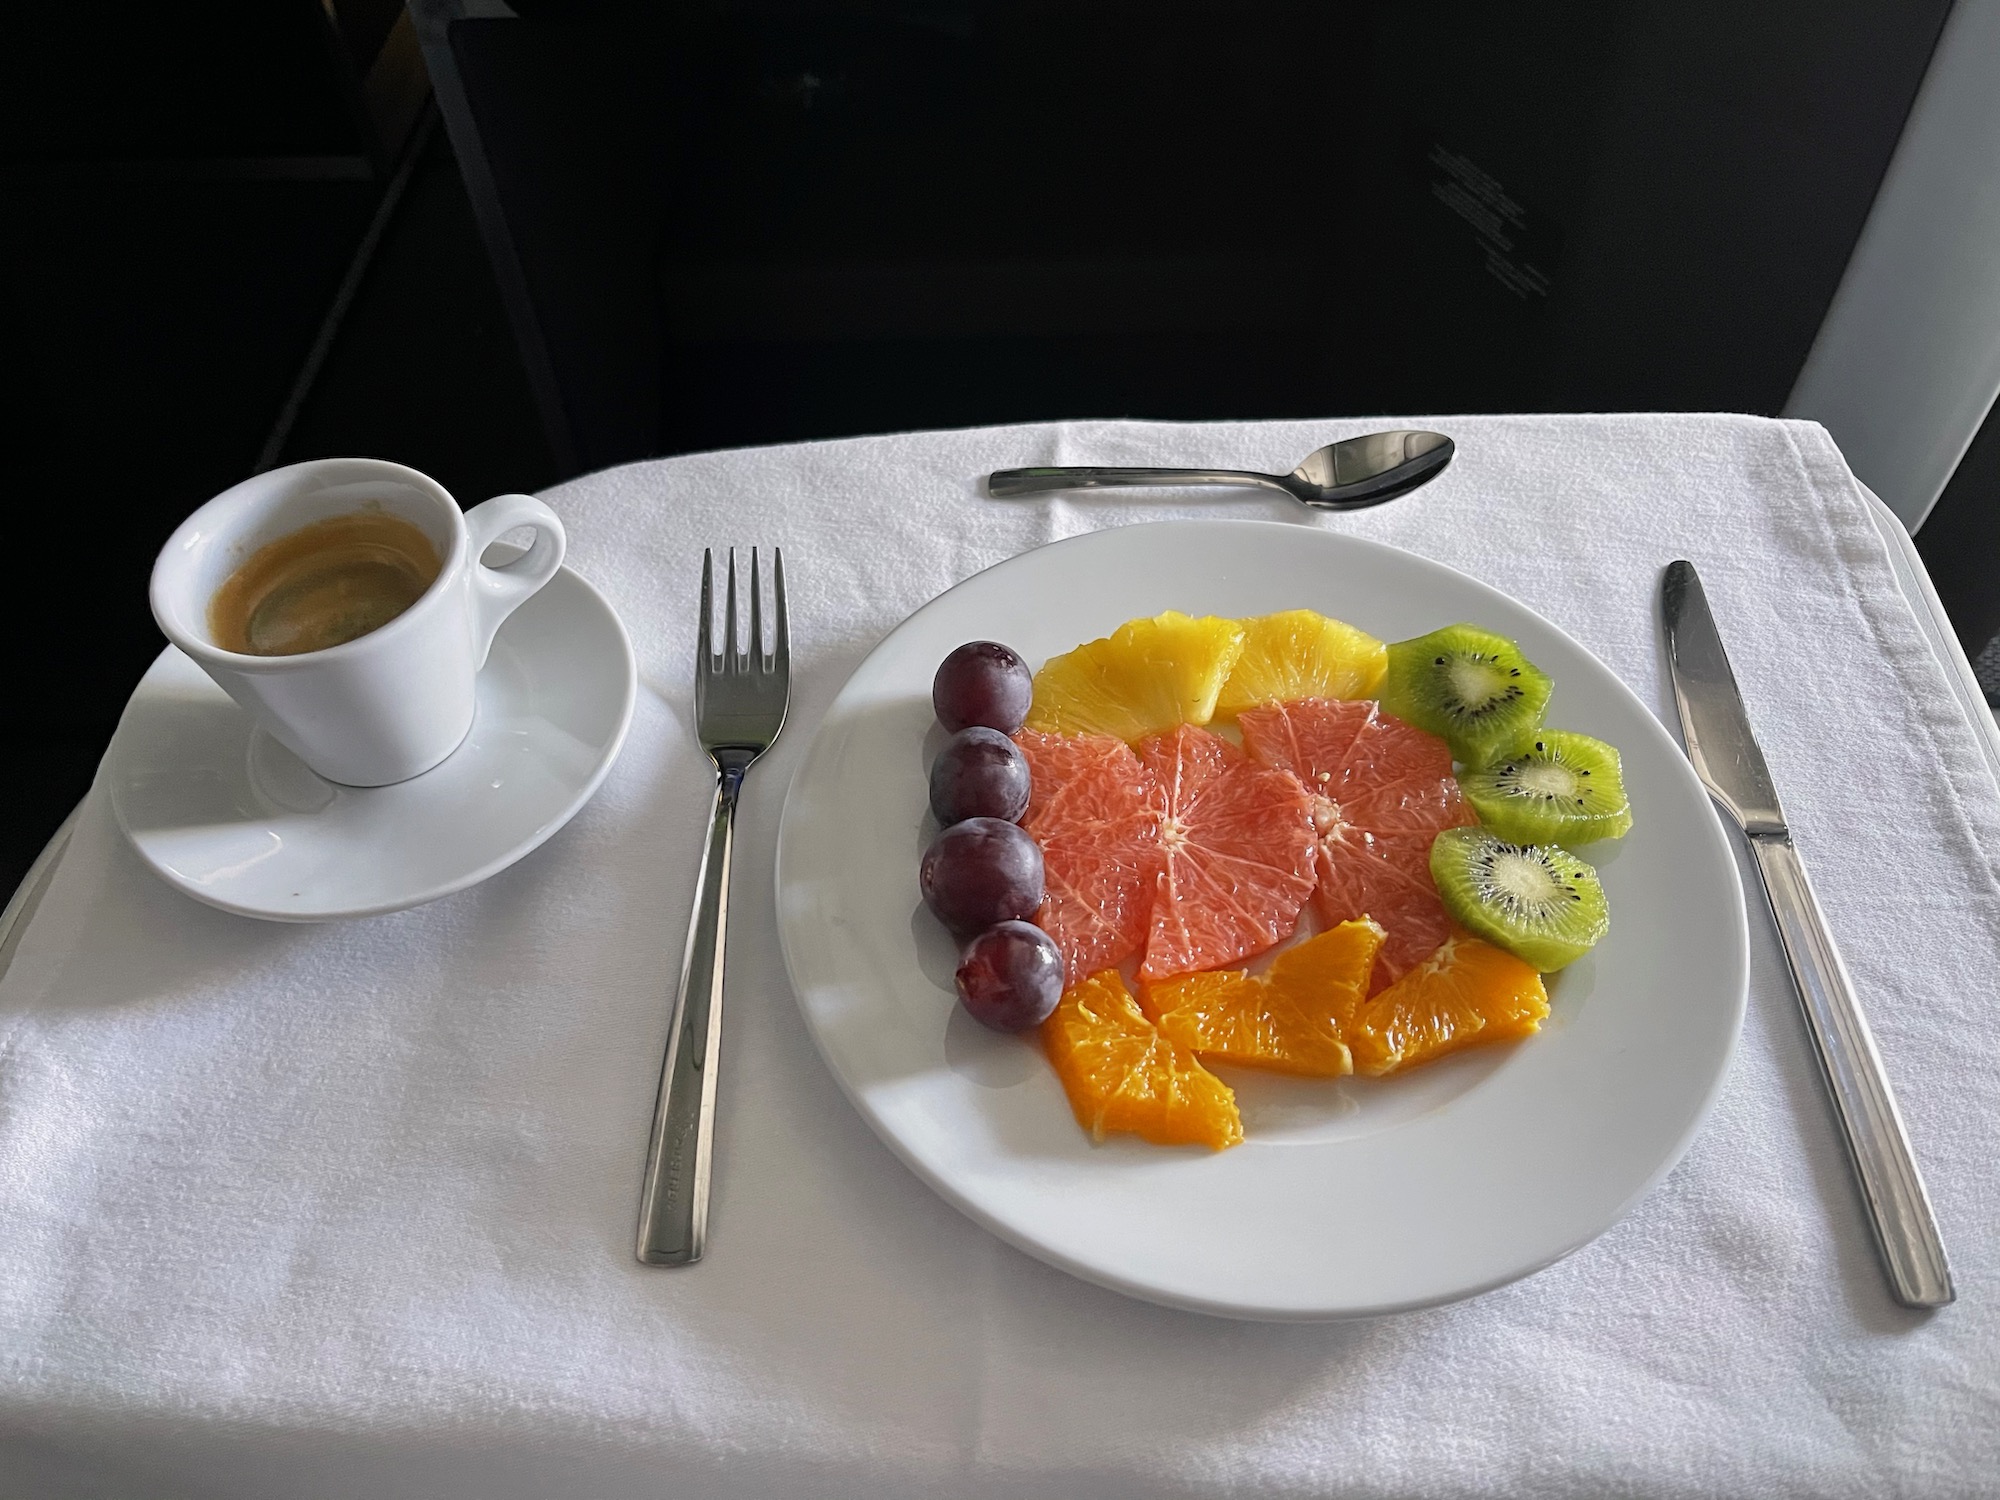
1146, 677
1301, 654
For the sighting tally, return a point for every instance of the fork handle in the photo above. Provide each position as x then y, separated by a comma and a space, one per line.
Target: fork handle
673, 1202
1005, 484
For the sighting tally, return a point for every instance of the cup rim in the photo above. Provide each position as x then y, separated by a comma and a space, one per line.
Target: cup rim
233, 497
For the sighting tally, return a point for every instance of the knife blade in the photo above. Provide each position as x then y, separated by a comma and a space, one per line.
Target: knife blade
1726, 756
1725, 753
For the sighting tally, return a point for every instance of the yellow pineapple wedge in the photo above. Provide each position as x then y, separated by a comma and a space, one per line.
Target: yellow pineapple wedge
1144, 678
1301, 654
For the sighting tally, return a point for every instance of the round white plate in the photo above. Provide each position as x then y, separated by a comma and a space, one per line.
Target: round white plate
1349, 1197
227, 814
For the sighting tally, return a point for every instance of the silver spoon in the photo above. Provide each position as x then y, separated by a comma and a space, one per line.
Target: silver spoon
1347, 475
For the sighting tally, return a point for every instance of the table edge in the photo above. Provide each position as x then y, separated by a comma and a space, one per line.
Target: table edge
1915, 583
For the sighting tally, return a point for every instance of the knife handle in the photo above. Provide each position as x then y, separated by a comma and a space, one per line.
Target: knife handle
1899, 1209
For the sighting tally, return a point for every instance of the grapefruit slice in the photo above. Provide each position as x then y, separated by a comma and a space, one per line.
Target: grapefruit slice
1464, 994
1121, 1074
1381, 791
1290, 1020
1237, 848
1143, 678
1299, 653
1094, 810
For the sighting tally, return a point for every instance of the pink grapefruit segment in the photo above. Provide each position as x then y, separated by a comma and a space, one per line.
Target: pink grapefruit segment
1236, 847
1094, 809
1381, 791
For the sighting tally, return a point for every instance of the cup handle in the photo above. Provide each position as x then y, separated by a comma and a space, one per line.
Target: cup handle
497, 592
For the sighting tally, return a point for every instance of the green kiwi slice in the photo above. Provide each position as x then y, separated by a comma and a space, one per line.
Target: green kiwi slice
1565, 788
1471, 687
1539, 902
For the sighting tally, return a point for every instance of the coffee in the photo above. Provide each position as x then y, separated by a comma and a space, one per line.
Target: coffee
324, 584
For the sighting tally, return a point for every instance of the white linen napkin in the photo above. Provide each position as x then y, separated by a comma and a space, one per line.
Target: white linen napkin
348, 1210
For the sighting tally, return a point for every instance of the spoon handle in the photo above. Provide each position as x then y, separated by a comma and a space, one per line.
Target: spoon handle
1006, 484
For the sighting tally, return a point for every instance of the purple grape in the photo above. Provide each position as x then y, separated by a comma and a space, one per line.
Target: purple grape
979, 774
984, 683
1011, 976
980, 872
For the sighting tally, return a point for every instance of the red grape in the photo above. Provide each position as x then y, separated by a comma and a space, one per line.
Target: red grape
985, 683
979, 774
980, 872
1011, 976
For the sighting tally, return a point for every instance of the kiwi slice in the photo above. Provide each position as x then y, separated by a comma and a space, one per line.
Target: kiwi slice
1539, 902
1565, 788
1470, 686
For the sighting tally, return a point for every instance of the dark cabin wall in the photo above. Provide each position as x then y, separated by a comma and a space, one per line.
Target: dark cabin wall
759, 222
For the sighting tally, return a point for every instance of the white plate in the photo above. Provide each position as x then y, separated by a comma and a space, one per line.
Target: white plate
225, 813
1348, 1198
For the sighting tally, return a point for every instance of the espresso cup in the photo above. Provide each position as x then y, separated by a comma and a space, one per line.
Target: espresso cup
384, 706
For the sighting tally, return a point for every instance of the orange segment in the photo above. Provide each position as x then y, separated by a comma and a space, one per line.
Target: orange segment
1290, 1020
1237, 843
1465, 994
1143, 678
1122, 1075
1381, 791
1094, 810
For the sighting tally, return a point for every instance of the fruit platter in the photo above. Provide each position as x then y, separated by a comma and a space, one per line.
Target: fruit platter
1260, 920
1185, 795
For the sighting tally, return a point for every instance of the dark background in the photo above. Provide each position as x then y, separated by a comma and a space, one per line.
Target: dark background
506, 250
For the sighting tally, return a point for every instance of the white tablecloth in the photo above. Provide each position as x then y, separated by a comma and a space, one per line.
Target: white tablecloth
348, 1210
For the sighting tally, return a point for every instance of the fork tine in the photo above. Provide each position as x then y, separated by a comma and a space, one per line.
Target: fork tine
729, 653
756, 642
781, 658
705, 640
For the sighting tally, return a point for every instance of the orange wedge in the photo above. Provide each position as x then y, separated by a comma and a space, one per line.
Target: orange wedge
1290, 1020
1465, 994
1122, 1075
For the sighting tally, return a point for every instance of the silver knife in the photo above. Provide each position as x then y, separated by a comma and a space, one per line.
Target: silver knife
1726, 758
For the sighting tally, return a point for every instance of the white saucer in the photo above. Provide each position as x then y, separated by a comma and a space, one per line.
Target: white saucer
225, 813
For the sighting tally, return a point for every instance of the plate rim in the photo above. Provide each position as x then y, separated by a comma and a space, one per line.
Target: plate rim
586, 790
1238, 1308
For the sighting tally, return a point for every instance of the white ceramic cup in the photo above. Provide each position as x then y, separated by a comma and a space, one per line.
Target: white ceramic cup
384, 706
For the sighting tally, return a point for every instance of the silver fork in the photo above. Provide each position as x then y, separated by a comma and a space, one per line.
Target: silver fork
739, 707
